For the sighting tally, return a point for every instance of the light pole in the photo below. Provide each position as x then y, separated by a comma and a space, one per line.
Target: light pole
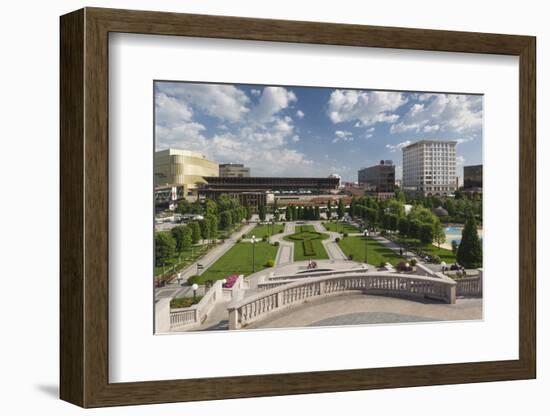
253, 240
366, 234
194, 287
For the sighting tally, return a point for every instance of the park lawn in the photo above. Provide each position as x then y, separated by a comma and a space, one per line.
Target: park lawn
341, 227
376, 252
446, 255
187, 257
308, 232
265, 230
238, 260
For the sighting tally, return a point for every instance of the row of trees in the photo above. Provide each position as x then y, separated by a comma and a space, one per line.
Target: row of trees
422, 224
218, 216
460, 208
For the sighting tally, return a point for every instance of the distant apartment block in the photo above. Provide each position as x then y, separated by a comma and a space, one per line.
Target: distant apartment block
378, 178
473, 177
429, 167
234, 170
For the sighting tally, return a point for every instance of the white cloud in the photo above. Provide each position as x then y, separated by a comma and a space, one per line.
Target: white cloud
300, 114
464, 140
255, 92
368, 135
272, 100
258, 137
186, 132
429, 129
364, 107
442, 112
398, 146
342, 136
224, 102
170, 111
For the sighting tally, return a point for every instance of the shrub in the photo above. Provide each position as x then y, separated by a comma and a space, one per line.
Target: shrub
413, 262
402, 267
436, 259
184, 302
193, 279
346, 234
270, 263
350, 256
382, 264
337, 239
276, 244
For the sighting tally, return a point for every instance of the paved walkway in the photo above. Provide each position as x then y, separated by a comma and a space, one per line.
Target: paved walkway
359, 309
331, 247
285, 254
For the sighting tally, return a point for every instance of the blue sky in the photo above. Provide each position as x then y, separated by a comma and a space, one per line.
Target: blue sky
309, 131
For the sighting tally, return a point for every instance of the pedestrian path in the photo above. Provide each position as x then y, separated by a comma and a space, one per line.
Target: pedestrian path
285, 254
331, 247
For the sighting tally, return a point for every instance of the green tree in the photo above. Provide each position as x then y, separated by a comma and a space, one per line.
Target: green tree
317, 213
182, 236
403, 227
205, 229
469, 253
341, 209
426, 234
165, 246
262, 212
213, 228
226, 220
439, 234
184, 207
195, 231
211, 207
329, 209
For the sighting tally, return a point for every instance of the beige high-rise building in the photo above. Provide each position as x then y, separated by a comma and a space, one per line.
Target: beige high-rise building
234, 170
429, 167
183, 167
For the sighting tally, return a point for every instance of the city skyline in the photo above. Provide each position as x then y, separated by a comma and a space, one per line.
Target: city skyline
309, 131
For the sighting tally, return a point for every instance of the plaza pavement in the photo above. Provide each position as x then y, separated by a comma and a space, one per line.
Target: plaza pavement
360, 309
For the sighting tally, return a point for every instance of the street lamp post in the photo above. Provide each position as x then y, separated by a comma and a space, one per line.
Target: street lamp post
253, 240
366, 234
194, 287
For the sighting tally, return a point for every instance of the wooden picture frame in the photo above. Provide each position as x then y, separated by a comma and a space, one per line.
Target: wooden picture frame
84, 207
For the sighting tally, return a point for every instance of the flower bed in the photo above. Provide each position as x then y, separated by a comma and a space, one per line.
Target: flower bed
230, 281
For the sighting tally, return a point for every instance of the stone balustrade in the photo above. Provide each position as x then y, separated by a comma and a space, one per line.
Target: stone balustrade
167, 319
257, 307
470, 286
313, 273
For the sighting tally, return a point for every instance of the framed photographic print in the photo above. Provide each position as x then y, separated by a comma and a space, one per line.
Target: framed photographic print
260, 207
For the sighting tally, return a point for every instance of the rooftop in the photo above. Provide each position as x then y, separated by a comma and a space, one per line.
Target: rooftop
429, 142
